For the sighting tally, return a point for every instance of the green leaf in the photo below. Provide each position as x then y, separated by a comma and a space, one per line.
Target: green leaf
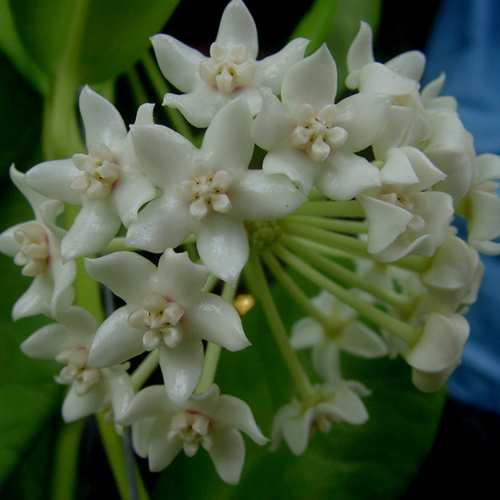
336, 23
28, 394
98, 39
375, 461
12, 46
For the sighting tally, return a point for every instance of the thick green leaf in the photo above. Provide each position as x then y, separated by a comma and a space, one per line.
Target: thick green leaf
376, 461
12, 46
99, 39
28, 394
336, 23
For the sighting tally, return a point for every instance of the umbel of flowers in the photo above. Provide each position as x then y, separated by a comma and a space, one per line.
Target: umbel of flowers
373, 179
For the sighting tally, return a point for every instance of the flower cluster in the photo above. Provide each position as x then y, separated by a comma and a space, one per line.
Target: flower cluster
357, 195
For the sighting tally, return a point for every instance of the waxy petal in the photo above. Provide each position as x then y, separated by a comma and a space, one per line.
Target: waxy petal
103, 123
228, 454
261, 197
312, 80
126, 274
223, 247
238, 27
179, 63
181, 368
214, 319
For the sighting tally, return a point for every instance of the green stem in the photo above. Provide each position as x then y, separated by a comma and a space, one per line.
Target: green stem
348, 243
137, 87
339, 225
113, 445
349, 209
398, 328
259, 287
293, 289
66, 460
341, 273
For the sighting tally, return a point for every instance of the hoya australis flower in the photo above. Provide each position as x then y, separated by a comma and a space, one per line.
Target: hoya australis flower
161, 430
107, 181
453, 278
338, 402
208, 192
311, 139
164, 309
34, 245
403, 216
92, 389
482, 206
230, 72
410, 64
438, 351
345, 332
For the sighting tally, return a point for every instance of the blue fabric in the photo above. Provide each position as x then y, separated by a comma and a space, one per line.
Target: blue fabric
465, 44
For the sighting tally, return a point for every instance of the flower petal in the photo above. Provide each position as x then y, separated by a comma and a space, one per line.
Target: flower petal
181, 368
223, 247
238, 27
102, 121
261, 197
179, 63
228, 454
212, 318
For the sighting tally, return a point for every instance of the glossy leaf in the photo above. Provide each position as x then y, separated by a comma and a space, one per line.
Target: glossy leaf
98, 39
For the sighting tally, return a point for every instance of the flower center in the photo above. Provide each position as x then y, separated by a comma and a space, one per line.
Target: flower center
193, 429
34, 252
227, 72
77, 371
99, 172
206, 191
410, 202
161, 319
316, 133
262, 235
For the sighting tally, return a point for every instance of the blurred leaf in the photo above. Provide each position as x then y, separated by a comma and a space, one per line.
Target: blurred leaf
28, 394
375, 461
103, 38
21, 115
12, 46
336, 23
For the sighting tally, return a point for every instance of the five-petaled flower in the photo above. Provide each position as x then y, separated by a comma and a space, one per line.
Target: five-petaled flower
231, 71
165, 309
161, 430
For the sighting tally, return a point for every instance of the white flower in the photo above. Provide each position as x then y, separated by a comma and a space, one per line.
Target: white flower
453, 278
450, 147
230, 72
482, 206
346, 333
208, 192
438, 351
311, 139
92, 389
338, 402
35, 245
410, 64
403, 216
160, 430
107, 182
164, 309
